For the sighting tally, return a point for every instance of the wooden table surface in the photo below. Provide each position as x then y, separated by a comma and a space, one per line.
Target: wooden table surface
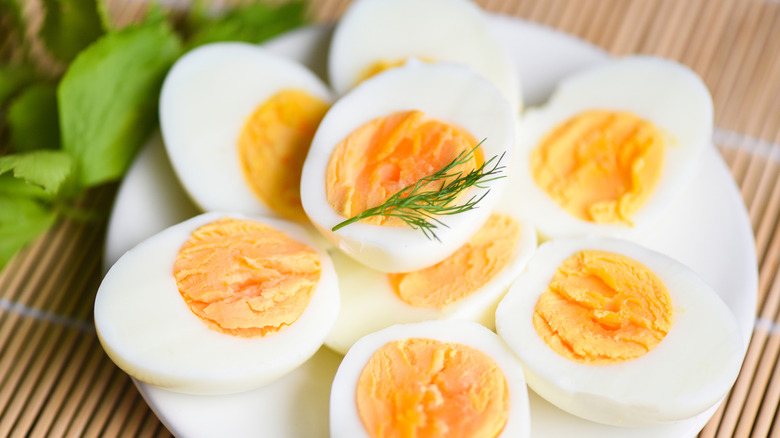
56, 380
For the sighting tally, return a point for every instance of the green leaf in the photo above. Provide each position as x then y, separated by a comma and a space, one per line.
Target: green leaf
21, 220
14, 78
32, 119
46, 169
104, 12
253, 23
13, 186
197, 16
156, 14
69, 26
108, 99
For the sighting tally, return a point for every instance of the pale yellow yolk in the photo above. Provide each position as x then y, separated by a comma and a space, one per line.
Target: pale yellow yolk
600, 166
273, 145
245, 278
469, 268
388, 154
384, 65
427, 388
603, 308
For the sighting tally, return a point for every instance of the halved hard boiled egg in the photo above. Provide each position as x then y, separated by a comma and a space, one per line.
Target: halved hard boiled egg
375, 35
618, 334
436, 378
237, 122
389, 133
216, 304
466, 285
612, 148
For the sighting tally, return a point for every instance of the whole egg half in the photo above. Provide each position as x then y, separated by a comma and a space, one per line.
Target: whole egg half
437, 378
612, 148
237, 122
618, 334
219, 303
392, 131
374, 35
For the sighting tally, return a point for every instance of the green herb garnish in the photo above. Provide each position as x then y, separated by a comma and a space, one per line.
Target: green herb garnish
419, 207
253, 23
69, 26
77, 120
107, 99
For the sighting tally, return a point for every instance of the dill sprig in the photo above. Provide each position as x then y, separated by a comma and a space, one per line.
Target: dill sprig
419, 207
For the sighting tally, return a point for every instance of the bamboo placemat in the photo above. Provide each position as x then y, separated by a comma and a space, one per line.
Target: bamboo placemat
55, 379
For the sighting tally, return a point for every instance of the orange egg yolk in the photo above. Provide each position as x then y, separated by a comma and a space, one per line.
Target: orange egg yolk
387, 154
384, 65
600, 166
603, 308
464, 272
428, 388
272, 147
245, 278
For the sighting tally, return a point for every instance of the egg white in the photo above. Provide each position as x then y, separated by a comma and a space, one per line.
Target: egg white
438, 30
688, 372
369, 303
204, 103
149, 331
446, 92
344, 418
666, 93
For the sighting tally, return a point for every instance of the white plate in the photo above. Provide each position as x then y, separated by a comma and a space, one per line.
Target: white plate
707, 229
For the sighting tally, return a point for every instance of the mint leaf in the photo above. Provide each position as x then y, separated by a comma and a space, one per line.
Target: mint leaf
21, 220
13, 78
32, 119
253, 23
69, 26
108, 99
46, 169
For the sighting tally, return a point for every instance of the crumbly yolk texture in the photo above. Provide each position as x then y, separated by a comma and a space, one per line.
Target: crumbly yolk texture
427, 388
245, 278
603, 308
464, 272
600, 166
387, 154
272, 147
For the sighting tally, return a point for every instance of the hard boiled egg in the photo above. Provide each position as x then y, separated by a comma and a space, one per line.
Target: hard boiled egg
618, 334
237, 122
435, 378
374, 35
387, 134
466, 285
216, 304
612, 148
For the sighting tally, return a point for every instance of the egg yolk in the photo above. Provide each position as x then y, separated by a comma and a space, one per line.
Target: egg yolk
272, 147
603, 308
387, 154
465, 271
427, 388
600, 166
245, 278
384, 65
